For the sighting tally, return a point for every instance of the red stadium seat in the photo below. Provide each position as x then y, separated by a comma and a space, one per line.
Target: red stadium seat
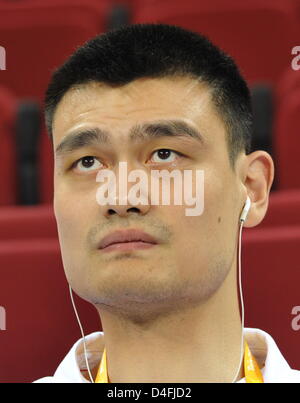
27, 222
259, 34
38, 36
289, 82
284, 209
8, 104
40, 323
287, 140
271, 276
297, 6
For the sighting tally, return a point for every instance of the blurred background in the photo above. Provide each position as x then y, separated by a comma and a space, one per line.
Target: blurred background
36, 36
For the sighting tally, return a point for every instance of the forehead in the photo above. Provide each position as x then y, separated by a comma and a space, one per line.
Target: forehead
120, 107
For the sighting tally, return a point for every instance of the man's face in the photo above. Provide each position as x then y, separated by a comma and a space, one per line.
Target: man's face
193, 254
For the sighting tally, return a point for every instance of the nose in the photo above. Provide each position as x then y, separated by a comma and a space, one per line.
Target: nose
126, 197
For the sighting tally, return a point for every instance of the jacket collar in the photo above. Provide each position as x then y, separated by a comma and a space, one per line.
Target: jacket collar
263, 347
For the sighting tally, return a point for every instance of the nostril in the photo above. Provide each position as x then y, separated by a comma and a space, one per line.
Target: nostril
133, 209
129, 210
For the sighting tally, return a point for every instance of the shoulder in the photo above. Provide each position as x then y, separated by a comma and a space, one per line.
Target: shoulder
295, 376
275, 367
48, 379
71, 367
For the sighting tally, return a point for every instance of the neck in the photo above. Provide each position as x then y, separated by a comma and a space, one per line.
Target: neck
199, 344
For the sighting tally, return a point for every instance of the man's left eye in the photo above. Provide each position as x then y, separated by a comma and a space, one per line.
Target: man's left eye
164, 155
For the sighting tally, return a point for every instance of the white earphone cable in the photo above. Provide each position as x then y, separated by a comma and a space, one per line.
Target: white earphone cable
83, 336
241, 301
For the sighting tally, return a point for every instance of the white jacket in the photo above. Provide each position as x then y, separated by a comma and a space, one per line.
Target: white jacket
261, 344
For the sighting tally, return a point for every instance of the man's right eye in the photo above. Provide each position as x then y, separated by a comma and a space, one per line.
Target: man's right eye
87, 164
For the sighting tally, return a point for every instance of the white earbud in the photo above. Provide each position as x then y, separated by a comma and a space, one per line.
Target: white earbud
246, 209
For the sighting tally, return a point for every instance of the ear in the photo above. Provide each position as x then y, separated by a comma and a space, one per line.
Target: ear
259, 176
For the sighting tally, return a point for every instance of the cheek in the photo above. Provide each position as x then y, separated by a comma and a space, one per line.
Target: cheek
201, 237
72, 228
69, 217
67, 225
74, 208
190, 242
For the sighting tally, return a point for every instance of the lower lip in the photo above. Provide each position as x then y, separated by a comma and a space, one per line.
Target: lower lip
127, 246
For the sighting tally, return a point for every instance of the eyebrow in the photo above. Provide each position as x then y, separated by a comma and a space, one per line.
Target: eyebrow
140, 132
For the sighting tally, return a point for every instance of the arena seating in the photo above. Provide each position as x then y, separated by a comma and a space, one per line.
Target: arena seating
259, 34
41, 326
8, 159
286, 131
263, 54
271, 284
283, 210
38, 36
30, 222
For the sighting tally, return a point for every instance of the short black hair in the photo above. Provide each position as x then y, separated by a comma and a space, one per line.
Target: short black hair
122, 55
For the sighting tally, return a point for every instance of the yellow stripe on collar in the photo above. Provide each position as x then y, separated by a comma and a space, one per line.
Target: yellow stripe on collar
252, 372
